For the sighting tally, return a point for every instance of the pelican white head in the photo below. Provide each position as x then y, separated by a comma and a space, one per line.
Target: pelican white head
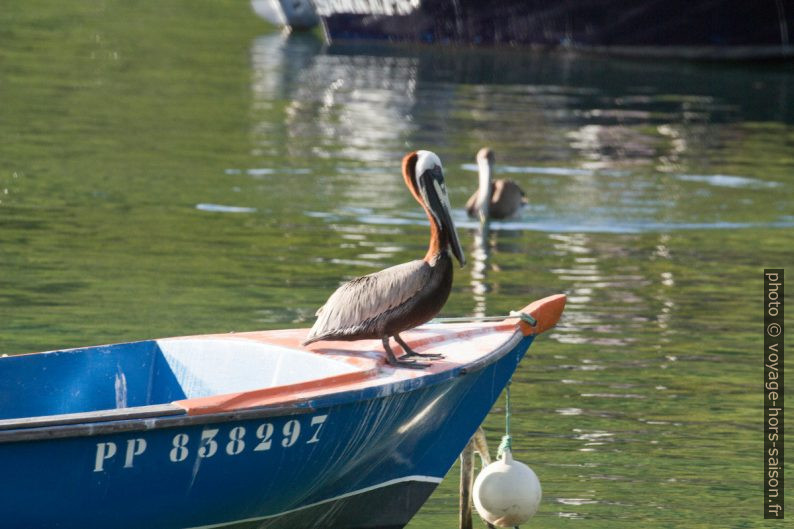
426, 161
429, 181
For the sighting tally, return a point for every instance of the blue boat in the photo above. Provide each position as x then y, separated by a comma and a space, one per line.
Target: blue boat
247, 429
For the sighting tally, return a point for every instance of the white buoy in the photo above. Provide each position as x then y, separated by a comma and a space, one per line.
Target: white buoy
507, 492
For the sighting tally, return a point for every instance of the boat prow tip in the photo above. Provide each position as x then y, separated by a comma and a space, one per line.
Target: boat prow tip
546, 311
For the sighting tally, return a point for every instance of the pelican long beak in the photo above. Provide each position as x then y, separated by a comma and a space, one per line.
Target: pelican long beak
454, 242
434, 193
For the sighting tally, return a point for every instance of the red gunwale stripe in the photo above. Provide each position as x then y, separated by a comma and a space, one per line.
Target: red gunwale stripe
259, 397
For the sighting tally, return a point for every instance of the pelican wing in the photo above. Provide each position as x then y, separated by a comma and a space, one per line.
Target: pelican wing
507, 199
357, 305
507, 190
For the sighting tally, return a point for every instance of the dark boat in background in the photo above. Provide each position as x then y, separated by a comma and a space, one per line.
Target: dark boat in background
708, 29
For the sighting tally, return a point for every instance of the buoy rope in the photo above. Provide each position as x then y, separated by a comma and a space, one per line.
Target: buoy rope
507, 441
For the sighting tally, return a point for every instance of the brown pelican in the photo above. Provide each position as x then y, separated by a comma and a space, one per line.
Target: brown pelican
496, 199
385, 303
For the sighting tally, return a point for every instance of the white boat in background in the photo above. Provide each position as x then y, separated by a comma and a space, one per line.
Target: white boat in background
292, 14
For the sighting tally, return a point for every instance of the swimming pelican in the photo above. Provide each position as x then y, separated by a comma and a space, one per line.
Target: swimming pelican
496, 199
385, 303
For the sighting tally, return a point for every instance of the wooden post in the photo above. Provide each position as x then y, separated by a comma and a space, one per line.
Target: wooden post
481, 446
466, 480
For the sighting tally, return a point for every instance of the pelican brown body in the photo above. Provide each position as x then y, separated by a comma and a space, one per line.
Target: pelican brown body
385, 303
495, 199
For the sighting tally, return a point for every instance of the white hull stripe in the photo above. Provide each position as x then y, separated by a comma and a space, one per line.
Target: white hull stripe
425, 479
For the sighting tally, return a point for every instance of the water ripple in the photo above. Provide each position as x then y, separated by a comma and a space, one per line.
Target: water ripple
722, 180
561, 224
220, 208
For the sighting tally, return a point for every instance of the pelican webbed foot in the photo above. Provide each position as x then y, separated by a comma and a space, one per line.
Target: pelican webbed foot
392, 360
410, 352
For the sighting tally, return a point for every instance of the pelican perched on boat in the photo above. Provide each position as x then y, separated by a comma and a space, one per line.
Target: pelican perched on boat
386, 303
497, 199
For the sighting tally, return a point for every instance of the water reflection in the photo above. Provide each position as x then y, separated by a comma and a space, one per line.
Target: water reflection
479, 268
360, 109
278, 62
618, 151
350, 107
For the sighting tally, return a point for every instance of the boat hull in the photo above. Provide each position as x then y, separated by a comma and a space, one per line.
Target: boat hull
710, 29
363, 458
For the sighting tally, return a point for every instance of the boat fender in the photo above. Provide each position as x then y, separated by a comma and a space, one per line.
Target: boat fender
507, 492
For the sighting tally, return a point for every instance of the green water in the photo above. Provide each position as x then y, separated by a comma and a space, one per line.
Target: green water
171, 168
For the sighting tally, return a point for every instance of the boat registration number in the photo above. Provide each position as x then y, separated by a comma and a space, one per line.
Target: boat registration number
213, 442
